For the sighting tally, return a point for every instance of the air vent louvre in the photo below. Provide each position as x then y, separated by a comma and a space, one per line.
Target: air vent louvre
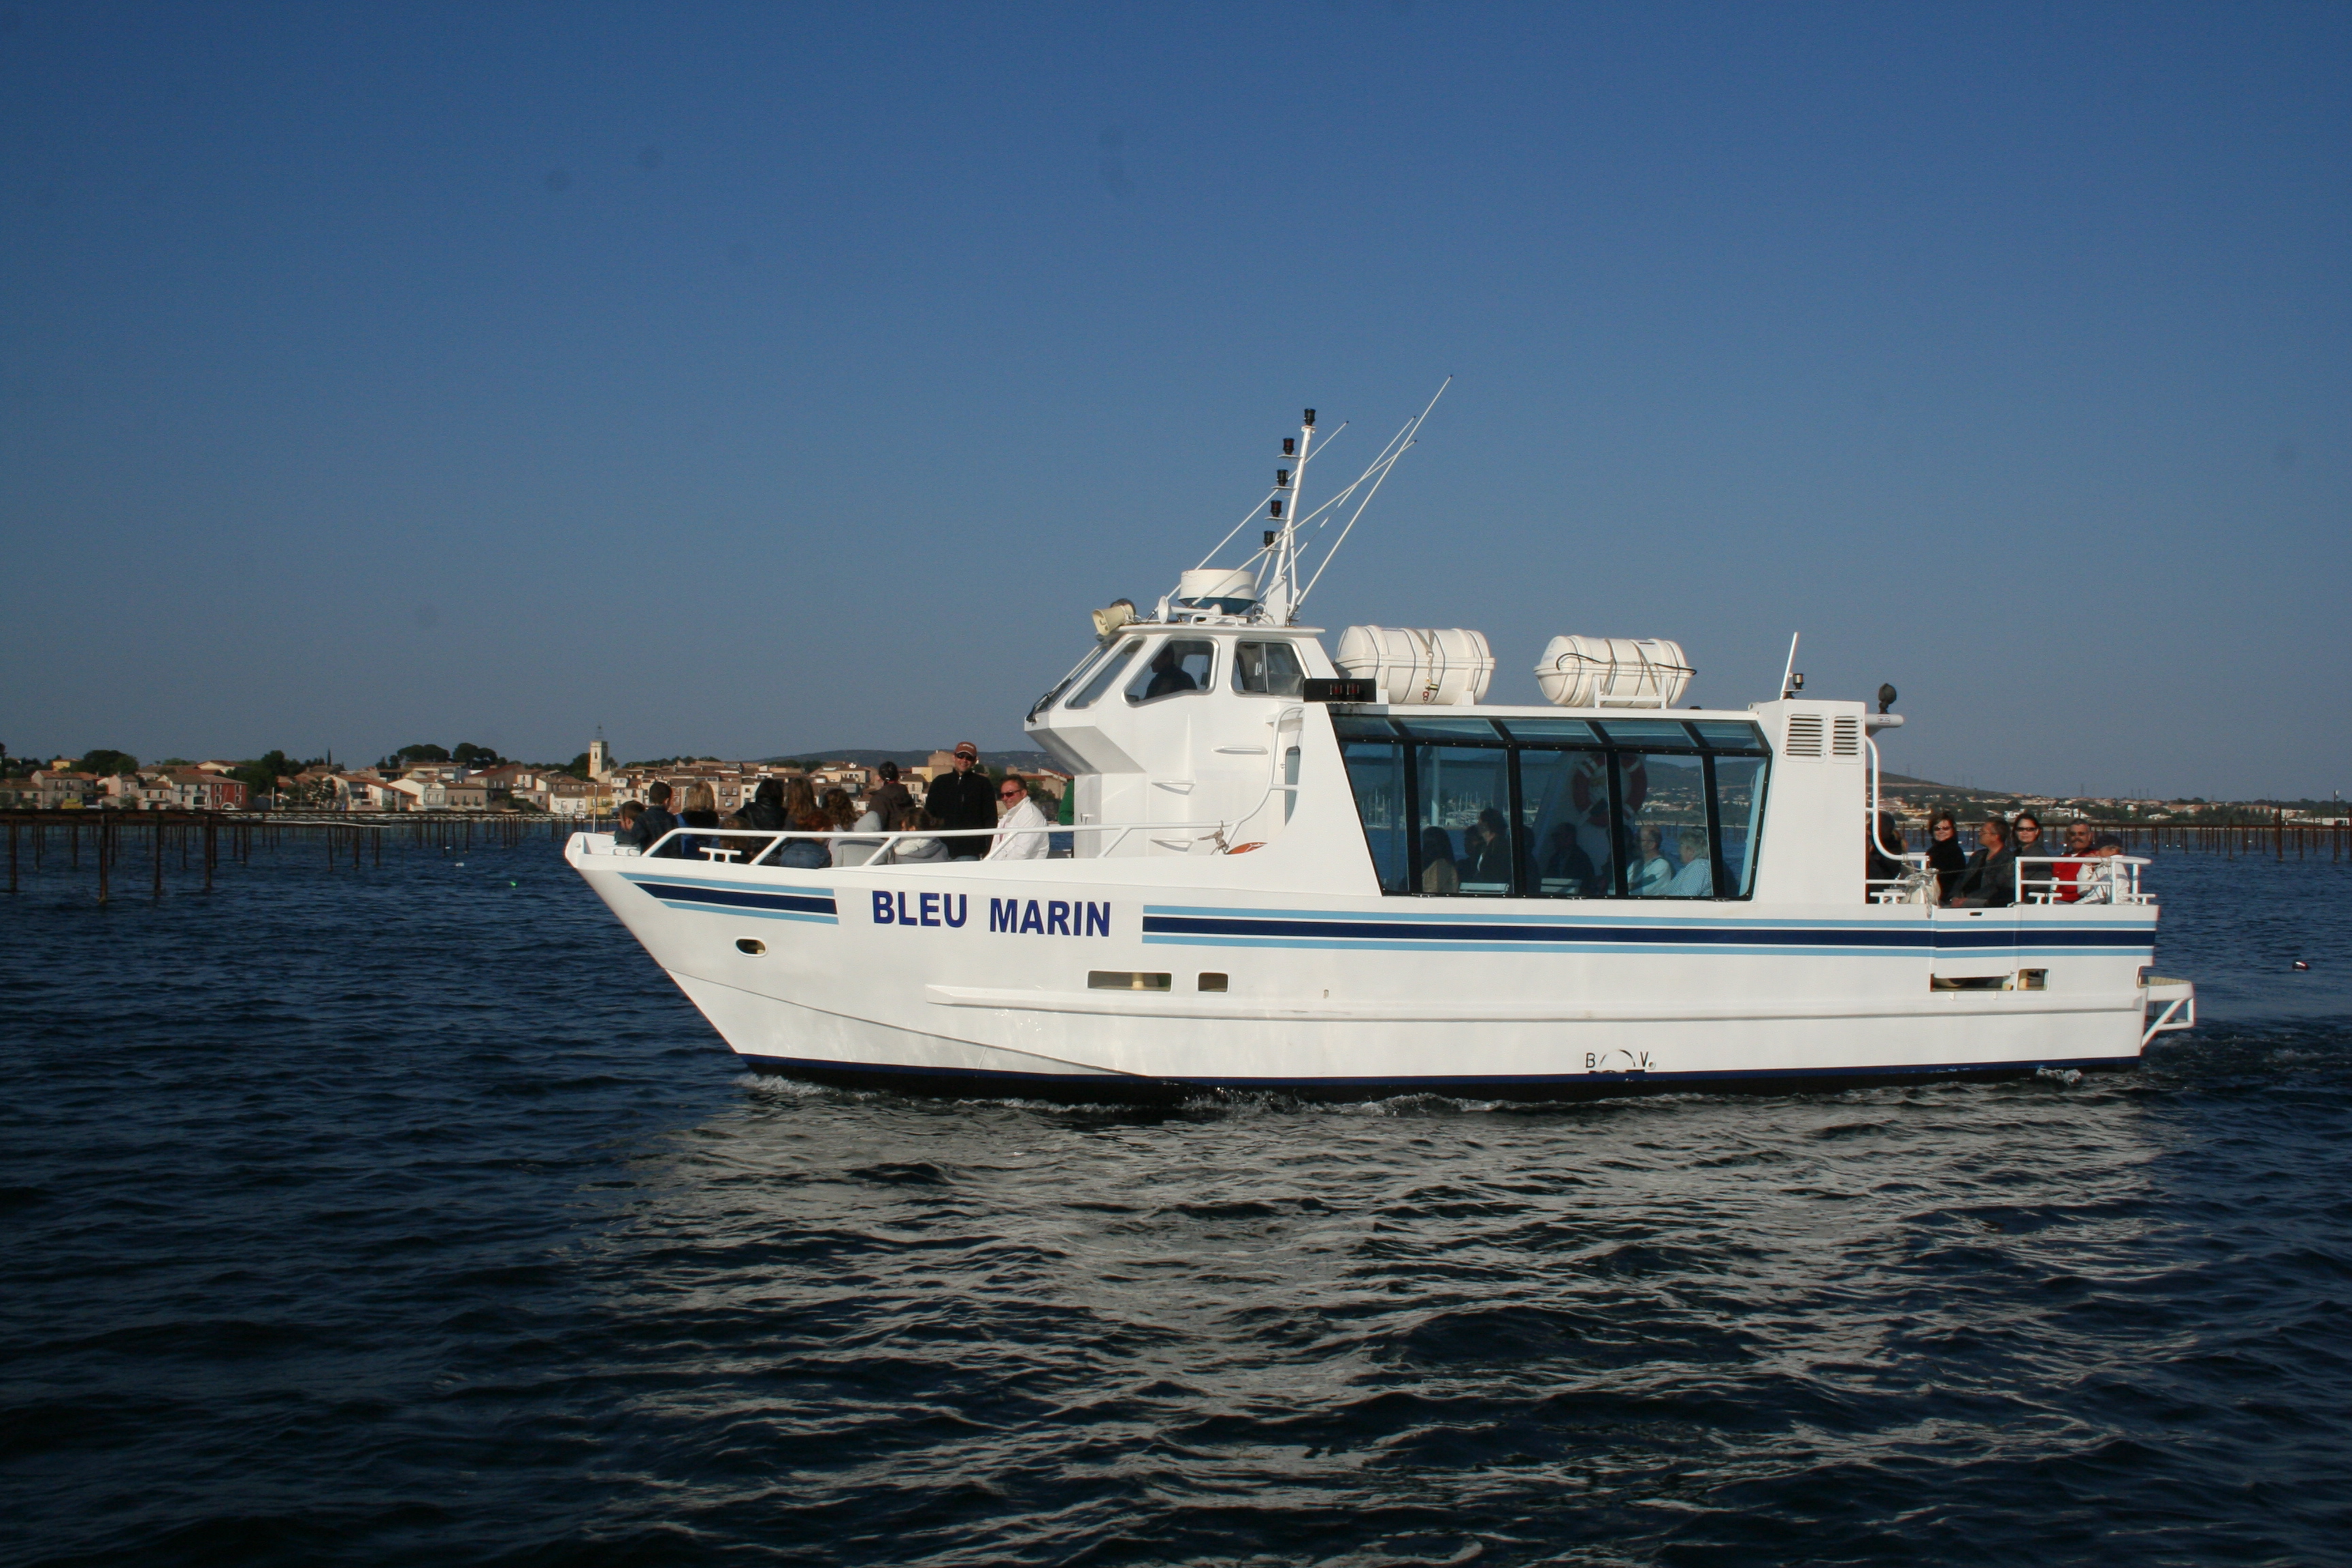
1804, 734
1845, 737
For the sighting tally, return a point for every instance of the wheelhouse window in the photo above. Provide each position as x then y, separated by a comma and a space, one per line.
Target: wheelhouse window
1177, 668
1268, 669
1106, 673
1473, 808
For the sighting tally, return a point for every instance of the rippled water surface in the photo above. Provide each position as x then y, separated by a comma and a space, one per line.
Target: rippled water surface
409, 1214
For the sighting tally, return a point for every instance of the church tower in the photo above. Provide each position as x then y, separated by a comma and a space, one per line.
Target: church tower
600, 757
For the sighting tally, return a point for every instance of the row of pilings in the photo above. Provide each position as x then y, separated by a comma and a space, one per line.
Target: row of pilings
124, 849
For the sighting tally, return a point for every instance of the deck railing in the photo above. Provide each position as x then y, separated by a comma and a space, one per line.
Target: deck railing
880, 849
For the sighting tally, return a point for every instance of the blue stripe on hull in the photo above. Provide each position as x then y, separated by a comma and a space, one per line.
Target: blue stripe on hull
1096, 1088
1505, 935
816, 904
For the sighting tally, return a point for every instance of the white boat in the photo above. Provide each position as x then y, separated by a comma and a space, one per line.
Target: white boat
1351, 877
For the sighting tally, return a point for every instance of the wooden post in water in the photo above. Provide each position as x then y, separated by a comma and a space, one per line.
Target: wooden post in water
212, 853
159, 855
73, 844
12, 857
101, 856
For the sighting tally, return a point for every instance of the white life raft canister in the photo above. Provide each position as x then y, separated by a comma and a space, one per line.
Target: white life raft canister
1412, 666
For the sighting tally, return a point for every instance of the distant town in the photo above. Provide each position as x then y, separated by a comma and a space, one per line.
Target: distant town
471, 778
466, 778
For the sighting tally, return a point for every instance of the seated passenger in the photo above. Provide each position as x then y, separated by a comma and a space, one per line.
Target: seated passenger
1167, 675
1697, 878
914, 851
801, 811
1882, 856
701, 811
655, 820
1438, 873
1648, 874
1990, 880
1564, 860
1946, 857
2025, 836
2101, 881
2064, 873
1487, 850
858, 851
624, 836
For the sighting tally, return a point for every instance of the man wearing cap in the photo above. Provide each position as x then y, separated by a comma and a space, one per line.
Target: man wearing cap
963, 798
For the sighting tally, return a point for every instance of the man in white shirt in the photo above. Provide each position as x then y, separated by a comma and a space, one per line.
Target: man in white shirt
1020, 811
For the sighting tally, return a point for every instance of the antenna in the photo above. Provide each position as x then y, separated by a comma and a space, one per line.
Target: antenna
1278, 586
1384, 462
1789, 671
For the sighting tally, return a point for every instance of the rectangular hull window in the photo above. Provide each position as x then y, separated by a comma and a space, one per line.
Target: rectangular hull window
1669, 854
1126, 980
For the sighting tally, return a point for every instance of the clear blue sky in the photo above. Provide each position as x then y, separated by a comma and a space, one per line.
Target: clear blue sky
766, 378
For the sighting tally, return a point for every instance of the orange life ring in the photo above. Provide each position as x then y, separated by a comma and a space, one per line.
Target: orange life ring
1245, 848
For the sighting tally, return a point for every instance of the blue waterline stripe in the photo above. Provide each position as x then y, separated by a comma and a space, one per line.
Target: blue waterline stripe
1439, 1084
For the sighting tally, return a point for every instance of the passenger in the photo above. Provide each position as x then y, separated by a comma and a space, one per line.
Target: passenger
1564, 860
802, 811
1647, 877
2101, 881
655, 820
837, 809
1944, 855
2064, 873
765, 809
1439, 874
1990, 880
1167, 675
1020, 811
626, 834
914, 851
1486, 847
1697, 878
701, 811
962, 799
2025, 830
1882, 856
858, 851
889, 798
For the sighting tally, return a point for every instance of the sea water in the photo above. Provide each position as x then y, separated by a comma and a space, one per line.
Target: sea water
410, 1215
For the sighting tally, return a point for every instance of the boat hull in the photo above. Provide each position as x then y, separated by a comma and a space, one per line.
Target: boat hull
978, 979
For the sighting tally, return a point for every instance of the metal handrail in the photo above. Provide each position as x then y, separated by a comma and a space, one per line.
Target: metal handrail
883, 841
2123, 890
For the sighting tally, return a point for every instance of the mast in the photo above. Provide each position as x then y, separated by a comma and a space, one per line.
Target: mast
1280, 592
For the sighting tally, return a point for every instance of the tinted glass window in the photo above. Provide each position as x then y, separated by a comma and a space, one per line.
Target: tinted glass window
1573, 731
1564, 822
1739, 815
1268, 669
1376, 773
1179, 667
1067, 681
1448, 729
1464, 831
1355, 726
1103, 677
1729, 736
1667, 851
1647, 731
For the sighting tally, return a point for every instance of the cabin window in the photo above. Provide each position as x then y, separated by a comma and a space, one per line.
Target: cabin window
1179, 667
1566, 851
1463, 824
1669, 854
1103, 677
1376, 772
1569, 811
1740, 819
1268, 669
1094, 657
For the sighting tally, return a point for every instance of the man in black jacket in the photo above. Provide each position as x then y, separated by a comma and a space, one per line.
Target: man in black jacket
963, 798
655, 821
